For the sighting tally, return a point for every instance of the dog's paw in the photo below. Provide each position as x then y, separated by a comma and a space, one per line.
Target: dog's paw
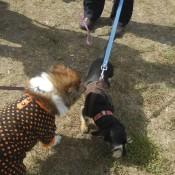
84, 129
117, 154
129, 140
57, 140
117, 151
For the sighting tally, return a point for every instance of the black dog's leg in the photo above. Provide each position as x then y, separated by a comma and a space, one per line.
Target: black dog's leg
100, 133
83, 126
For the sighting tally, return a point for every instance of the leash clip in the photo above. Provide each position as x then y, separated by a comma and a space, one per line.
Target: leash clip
103, 68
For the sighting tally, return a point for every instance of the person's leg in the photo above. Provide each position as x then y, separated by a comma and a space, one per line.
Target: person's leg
125, 16
126, 12
92, 11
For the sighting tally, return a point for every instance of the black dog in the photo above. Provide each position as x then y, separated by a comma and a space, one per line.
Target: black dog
98, 106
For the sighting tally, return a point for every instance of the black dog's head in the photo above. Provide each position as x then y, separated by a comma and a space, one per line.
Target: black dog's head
94, 72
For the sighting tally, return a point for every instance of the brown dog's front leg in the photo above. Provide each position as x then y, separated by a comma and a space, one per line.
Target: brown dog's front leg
55, 141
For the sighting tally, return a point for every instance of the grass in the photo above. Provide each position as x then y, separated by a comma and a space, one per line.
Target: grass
144, 155
169, 55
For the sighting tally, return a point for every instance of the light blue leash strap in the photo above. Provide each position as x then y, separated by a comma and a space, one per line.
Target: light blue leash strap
111, 39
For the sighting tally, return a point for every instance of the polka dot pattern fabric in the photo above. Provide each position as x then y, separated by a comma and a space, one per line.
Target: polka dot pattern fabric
20, 129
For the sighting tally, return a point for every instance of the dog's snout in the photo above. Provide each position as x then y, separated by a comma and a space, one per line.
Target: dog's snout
82, 87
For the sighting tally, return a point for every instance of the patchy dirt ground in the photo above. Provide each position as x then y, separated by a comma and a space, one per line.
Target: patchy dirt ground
35, 34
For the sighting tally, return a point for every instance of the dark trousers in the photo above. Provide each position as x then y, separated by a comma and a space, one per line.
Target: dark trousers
94, 8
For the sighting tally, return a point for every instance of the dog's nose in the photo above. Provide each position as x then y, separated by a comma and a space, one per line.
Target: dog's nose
82, 87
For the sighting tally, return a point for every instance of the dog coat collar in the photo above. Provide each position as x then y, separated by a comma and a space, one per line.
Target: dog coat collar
98, 87
101, 114
28, 100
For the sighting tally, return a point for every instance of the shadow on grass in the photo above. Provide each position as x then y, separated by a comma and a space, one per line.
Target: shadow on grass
92, 156
158, 33
161, 34
38, 47
77, 156
68, 1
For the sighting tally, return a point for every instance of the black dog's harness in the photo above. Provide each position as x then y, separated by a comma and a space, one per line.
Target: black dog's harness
102, 114
98, 87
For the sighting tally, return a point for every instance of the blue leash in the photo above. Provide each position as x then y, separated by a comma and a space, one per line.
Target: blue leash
111, 39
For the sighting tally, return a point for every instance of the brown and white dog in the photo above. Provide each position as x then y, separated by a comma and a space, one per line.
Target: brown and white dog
32, 117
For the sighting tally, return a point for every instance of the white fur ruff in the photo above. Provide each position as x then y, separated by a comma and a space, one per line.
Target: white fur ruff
42, 84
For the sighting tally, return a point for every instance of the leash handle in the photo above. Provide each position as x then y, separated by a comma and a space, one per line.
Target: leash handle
88, 38
12, 88
111, 39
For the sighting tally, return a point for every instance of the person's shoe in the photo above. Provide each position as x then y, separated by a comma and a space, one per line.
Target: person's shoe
86, 24
120, 30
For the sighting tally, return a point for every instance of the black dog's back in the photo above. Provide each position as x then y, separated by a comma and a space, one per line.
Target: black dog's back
94, 103
109, 126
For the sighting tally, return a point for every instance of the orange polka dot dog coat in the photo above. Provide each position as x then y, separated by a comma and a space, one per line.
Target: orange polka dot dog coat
22, 124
